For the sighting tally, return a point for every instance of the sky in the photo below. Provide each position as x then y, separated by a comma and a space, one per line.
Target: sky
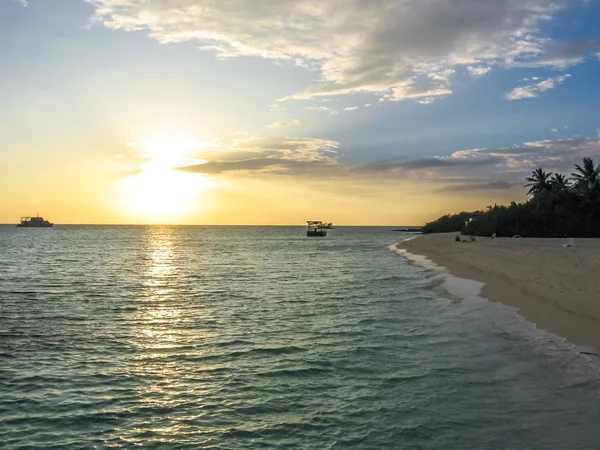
356, 112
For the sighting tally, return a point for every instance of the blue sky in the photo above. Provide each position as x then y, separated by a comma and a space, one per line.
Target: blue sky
281, 80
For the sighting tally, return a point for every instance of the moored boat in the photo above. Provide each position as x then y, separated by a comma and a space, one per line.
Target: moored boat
34, 222
315, 229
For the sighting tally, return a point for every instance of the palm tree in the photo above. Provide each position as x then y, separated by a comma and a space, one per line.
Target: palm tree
559, 182
539, 181
587, 185
587, 176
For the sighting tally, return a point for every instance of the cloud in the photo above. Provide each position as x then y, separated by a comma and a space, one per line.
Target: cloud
331, 111
351, 108
478, 186
554, 155
287, 166
478, 71
320, 160
554, 130
560, 55
266, 154
435, 162
286, 123
486, 168
534, 90
397, 50
424, 94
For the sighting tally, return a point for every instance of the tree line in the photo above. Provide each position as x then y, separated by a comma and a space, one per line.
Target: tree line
559, 206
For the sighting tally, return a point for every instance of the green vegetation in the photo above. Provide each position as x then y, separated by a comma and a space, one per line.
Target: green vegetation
560, 206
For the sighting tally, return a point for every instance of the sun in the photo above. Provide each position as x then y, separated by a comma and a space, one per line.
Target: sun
159, 192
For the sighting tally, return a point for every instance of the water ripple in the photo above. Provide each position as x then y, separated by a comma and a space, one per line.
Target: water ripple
249, 337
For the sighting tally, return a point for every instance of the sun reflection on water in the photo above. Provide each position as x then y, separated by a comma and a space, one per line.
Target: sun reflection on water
166, 340
161, 312
157, 338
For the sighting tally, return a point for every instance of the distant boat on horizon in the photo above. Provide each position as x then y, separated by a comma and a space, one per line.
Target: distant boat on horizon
34, 222
315, 229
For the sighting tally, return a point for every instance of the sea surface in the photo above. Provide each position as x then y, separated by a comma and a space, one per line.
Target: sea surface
258, 337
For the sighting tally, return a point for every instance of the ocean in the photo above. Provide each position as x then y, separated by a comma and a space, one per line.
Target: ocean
258, 337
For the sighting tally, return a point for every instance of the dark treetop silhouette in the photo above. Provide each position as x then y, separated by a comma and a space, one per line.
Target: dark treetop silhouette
559, 206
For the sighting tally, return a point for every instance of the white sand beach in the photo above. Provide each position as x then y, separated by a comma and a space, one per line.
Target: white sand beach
555, 287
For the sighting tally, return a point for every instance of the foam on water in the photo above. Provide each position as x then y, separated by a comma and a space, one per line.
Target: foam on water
505, 318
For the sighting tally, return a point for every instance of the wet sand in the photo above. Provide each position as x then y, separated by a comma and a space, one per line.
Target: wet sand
556, 288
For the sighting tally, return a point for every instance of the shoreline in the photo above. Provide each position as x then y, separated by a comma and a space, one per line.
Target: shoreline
555, 288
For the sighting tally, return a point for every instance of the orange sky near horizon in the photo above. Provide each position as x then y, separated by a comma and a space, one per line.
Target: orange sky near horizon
146, 188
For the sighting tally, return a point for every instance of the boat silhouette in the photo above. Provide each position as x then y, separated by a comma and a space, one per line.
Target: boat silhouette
34, 222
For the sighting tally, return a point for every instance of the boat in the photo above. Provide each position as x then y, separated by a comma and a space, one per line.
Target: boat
315, 229
34, 222
327, 226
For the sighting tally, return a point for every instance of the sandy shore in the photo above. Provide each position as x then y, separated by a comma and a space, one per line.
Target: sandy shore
554, 287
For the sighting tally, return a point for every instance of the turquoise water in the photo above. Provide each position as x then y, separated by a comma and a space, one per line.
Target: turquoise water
257, 337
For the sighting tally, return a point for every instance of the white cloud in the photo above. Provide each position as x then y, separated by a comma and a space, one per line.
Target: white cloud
278, 155
326, 109
559, 54
554, 130
351, 108
394, 49
276, 107
286, 123
478, 71
424, 94
534, 90
554, 155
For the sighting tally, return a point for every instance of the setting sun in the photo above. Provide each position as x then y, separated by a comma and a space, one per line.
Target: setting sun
160, 192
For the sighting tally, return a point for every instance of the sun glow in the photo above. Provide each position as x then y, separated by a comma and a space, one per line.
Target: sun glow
159, 192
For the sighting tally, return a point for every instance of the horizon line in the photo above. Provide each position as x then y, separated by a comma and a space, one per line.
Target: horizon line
206, 225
